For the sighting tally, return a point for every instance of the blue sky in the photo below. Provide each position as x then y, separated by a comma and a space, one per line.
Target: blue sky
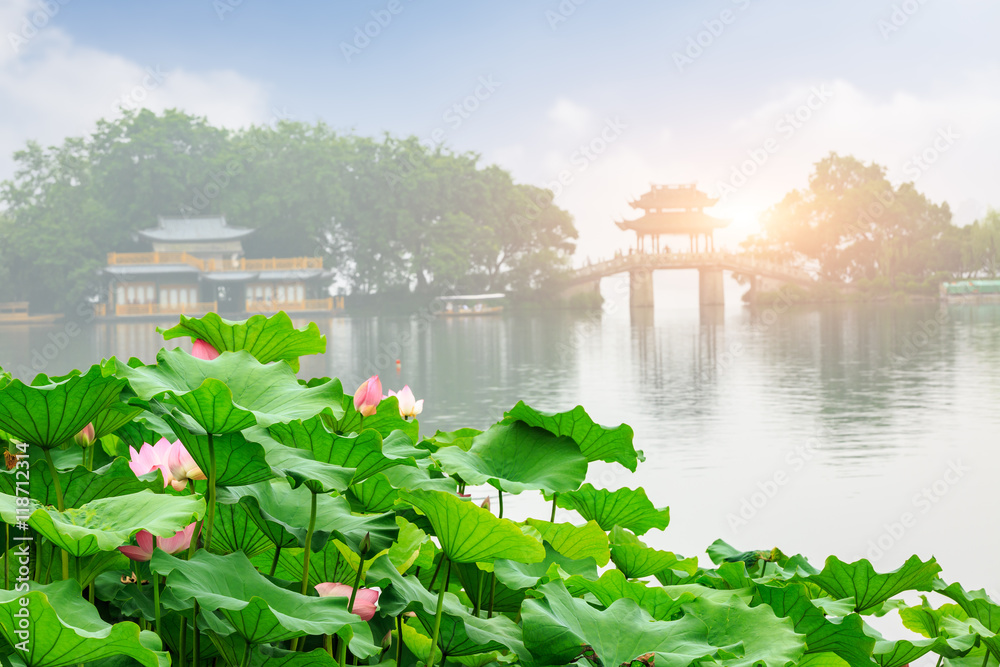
884, 80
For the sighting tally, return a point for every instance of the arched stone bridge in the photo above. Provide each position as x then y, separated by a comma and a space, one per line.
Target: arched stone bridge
710, 265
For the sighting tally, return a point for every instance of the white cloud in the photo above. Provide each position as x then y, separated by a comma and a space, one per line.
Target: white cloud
571, 115
53, 87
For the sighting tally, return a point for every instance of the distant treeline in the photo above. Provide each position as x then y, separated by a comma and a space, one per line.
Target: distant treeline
389, 215
852, 225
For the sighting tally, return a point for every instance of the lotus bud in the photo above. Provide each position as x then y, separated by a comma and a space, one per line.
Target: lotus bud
387, 641
368, 396
409, 406
182, 466
203, 350
365, 603
366, 544
86, 437
486, 504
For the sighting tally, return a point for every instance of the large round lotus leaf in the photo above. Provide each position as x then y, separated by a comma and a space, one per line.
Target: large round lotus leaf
515, 457
628, 508
576, 542
231, 392
79, 485
64, 629
268, 339
870, 589
107, 523
470, 534
259, 611
598, 443
49, 412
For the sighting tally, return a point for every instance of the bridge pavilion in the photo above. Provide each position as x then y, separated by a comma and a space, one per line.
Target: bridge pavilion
197, 265
674, 210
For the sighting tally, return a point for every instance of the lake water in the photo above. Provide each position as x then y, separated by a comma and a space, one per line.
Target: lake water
860, 430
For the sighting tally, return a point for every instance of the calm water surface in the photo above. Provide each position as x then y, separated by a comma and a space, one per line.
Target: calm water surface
861, 430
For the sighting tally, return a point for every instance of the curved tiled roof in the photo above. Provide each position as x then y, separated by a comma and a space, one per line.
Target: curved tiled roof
201, 229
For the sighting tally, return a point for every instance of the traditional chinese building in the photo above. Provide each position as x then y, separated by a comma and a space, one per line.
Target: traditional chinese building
674, 210
197, 265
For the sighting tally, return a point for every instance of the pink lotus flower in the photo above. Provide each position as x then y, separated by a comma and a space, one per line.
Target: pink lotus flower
170, 458
86, 437
179, 542
409, 406
181, 466
202, 350
365, 602
368, 396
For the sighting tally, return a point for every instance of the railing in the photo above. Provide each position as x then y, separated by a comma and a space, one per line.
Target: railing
733, 261
14, 310
242, 264
330, 303
139, 309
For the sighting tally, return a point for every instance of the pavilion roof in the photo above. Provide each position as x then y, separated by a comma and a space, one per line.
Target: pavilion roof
194, 230
679, 197
675, 222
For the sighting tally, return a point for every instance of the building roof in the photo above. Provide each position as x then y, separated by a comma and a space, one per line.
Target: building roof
196, 230
149, 269
679, 222
676, 197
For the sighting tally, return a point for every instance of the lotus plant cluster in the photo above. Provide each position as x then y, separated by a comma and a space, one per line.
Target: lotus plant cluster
213, 508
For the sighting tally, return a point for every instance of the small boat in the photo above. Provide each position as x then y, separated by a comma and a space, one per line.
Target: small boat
463, 305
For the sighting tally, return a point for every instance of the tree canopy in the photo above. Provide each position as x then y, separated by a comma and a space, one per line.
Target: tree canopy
852, 224
387, 214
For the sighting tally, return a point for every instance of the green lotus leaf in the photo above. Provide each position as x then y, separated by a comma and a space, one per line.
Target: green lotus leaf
107, 523
637, 561
326, 565
258, 610
298, 465
627, 508
822, 660
613, 586
976, 604
114, 417
598, 443
479, 583
235, 530
765, 637
869, 589
232, 650
559, 628
902, 652
926, 620
268, 339
576, 542
461, 632
846, 637
238, 461
365, 452
79, 485
461, 438
231, 392
470, 534
519, 576
50, 412
67, 630
515, 457
46, 559
385, 420
380, 492
420, 645
282, 513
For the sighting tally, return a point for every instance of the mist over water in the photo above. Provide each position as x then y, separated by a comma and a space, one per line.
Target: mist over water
862, 430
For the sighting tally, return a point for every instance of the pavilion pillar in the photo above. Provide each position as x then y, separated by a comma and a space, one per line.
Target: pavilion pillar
710, 287
641, 288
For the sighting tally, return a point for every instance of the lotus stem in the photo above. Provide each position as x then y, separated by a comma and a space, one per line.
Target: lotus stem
328, 644
245, 662
434, 576
210, 517
156, 602
986, 658
196, 647
493, 592
357, 584
309, 538
555, 497
399, 641
60, 504
479, 593
182, 651
437, 617
6, 565
342, 652
274, 563
500, 516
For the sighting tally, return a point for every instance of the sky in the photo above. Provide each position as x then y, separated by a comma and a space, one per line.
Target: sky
596, 99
